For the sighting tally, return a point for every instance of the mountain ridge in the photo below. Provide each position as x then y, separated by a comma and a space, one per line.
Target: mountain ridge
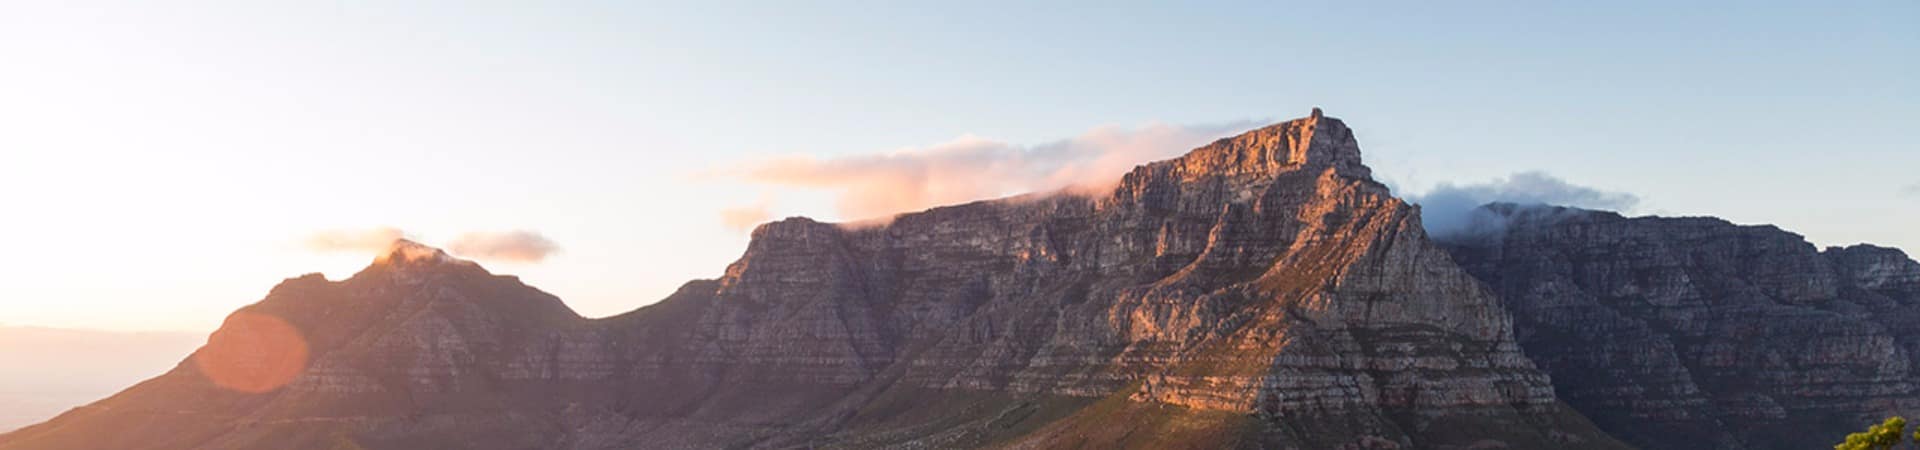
1259, 291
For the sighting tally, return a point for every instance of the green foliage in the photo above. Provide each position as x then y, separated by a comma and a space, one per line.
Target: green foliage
1878, 437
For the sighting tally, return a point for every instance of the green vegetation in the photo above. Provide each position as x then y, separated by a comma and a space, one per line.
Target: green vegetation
1878, 437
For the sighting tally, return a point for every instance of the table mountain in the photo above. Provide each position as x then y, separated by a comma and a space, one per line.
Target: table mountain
1260, 291
1695, 333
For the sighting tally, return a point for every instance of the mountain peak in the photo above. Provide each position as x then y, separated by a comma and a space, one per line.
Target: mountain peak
407, 252
1316, 142
1327, 141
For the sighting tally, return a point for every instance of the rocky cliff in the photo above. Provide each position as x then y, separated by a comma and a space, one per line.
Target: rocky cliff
1261, 291
1692, 333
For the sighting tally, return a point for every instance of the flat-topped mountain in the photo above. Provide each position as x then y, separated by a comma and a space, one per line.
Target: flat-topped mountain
1260, 291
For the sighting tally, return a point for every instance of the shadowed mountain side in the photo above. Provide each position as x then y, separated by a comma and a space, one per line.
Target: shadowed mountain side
1261, 291
1691, 333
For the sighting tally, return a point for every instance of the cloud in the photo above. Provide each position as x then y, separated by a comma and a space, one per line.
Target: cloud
1449, 209
973, 168
1911, 191
515, 246
745, 217
368, 240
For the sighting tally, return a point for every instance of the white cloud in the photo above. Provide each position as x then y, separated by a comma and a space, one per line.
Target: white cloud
1448, 208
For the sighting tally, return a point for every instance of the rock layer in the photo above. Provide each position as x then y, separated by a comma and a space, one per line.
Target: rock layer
1261, 291
1689, 333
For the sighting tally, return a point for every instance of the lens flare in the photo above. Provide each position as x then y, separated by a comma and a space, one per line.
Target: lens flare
253, 353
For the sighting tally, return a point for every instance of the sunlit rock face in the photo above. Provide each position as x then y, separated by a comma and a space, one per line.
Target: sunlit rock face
1261, 291
1687, 333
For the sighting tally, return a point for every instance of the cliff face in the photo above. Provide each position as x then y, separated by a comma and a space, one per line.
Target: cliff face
1684, 333
1260, 291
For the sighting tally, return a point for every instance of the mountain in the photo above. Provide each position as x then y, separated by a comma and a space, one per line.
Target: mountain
417, 334
1695, 333
1260, 291
44, 371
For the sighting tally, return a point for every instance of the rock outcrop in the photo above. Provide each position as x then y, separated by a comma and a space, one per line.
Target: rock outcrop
1261, 291
1694, 333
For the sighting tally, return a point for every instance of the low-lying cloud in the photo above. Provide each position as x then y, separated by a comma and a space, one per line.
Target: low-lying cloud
1911, 191
1448, 209
746, 217
361, 240
514, 246
974, 168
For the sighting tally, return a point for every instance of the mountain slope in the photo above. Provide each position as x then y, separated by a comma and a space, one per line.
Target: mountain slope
1261, 291
1688, 333
416, 332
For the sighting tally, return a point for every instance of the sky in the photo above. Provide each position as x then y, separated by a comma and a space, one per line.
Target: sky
163, 164
49, 371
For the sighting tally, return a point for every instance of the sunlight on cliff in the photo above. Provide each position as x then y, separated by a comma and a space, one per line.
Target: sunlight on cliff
253, 353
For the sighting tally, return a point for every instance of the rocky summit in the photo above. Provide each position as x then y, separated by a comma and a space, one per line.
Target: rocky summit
1259, 292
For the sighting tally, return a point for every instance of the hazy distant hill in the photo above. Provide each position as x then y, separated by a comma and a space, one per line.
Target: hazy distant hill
44, 371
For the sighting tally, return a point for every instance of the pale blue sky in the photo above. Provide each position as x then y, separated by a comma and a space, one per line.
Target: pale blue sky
162, 162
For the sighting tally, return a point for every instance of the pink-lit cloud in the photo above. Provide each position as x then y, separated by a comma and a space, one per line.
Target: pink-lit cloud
746, 217
513, 246
360, 240
973, 168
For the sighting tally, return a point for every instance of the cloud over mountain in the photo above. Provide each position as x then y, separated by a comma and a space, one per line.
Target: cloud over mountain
974, 168
353, 239
514, 246
1449, 208
745, 217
